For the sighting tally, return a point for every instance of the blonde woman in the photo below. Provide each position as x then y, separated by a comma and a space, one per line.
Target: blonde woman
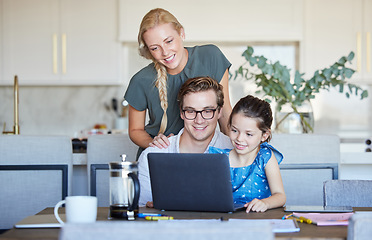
155, 87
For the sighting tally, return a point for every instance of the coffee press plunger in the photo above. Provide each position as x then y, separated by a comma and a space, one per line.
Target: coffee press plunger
124, 189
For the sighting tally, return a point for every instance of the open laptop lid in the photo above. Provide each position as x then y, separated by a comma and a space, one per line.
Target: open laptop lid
191, 182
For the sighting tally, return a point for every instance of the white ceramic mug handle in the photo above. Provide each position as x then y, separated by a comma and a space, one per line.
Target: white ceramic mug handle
58, 205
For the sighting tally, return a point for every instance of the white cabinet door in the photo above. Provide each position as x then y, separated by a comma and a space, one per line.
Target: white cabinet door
28, 28
61, 42
329, 33
216, 21
1, 42
92, 48
366, 48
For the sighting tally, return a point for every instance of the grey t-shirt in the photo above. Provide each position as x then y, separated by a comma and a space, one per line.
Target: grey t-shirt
206, 60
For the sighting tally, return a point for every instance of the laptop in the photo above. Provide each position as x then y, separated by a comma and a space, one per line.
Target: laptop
191, 182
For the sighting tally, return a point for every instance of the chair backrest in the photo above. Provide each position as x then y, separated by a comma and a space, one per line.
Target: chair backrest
354, 193
182, 230
101, 150
303, 182
359, 227
35, 173
308, 148
309, 160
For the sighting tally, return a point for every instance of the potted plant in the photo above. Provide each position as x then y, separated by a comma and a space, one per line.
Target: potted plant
274, 80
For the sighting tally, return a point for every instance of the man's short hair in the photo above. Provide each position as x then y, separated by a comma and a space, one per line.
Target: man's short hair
201, 84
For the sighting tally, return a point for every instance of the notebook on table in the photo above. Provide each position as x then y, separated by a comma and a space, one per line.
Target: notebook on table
40, 221
330, 209
191, 182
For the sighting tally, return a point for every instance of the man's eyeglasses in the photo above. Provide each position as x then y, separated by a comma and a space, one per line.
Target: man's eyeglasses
206, 114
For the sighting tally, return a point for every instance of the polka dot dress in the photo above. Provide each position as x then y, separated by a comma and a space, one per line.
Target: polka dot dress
250, 182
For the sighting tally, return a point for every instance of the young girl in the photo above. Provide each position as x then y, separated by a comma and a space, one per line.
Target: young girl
255, 174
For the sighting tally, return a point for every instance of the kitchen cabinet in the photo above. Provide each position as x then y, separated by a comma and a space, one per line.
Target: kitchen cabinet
217, 21
365, 43
333, 28
1, 40
60, 42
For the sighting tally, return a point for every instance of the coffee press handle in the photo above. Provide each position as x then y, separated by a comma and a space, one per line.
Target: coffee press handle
136, 184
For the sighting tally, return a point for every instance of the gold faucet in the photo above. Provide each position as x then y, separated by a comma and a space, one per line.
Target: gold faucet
16, 110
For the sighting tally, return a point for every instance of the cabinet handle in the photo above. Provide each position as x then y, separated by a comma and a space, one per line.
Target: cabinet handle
64, 54
368, 49
359, 51
55, 54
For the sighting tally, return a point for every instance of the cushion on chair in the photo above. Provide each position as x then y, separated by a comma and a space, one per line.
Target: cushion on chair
35, 173
101, 150
309, 160
354, 193
360, 226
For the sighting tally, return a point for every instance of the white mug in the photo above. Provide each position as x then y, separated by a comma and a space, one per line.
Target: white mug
79, 209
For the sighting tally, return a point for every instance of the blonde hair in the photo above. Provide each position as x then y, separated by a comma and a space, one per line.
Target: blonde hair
154, 18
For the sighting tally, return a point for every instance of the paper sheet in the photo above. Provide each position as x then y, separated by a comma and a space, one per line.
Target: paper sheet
40, 221
278, 225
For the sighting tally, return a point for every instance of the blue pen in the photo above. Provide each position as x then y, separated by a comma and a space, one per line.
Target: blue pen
287, 216
143, 215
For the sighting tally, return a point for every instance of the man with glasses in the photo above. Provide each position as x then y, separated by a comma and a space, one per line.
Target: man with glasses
200, 100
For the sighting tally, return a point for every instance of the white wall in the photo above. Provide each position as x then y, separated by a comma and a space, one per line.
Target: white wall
68, 110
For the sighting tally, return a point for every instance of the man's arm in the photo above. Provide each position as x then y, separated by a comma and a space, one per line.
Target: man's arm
144, 179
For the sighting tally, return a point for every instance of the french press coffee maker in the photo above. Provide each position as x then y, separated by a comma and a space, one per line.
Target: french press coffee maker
124, 189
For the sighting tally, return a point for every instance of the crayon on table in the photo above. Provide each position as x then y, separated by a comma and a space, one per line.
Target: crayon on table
143, 215
156, 218
305, 220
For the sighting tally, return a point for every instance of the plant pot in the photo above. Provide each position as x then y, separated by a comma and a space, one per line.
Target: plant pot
299, 120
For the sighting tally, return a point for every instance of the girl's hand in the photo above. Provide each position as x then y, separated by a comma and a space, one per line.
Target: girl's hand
256, 205
160, 141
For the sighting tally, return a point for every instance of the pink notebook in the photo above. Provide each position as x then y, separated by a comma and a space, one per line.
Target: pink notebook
326, 219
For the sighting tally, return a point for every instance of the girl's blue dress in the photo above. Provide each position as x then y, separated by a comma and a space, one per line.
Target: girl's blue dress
250, 182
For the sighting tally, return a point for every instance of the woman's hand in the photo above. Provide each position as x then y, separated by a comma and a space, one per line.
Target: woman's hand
256, 205
160, 141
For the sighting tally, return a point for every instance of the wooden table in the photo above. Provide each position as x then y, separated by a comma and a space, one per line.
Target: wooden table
308, 231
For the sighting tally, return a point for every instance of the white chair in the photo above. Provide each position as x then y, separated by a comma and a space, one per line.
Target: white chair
354, 193
359, 227
35, 173
102, 149
309, 160
182, 230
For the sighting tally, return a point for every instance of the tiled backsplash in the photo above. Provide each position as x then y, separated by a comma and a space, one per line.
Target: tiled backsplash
59, 110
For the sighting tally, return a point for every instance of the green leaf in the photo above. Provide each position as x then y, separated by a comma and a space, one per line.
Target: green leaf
342, 60
327, 73
261, 62
350, 56
364, 94
341, 88
349, 72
